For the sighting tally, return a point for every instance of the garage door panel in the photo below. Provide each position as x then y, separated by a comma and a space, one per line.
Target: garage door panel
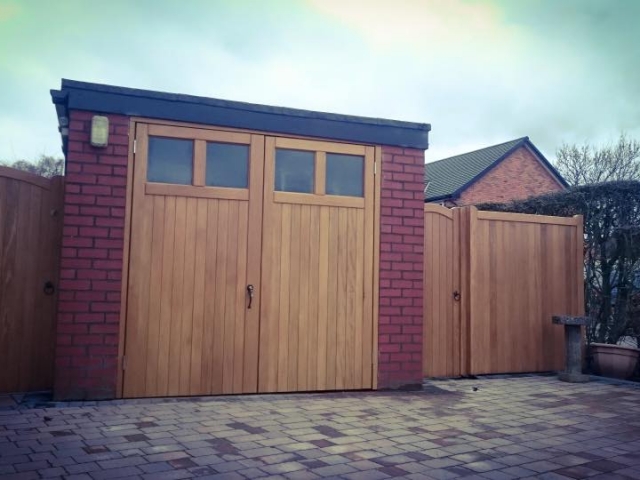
331, 300
138, 286
187, 297
211, 341
269, 331
187, 311
302, 380
175, 314
311, 300
196, 248
197, 352
155, 291
324, 287
317, 306
159, 363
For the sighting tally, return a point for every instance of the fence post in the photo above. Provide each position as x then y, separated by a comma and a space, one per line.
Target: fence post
466, 217
580, 264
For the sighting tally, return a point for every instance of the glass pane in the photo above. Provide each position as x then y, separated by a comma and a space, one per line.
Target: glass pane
227, 165
345, 175
294, 171
170, 161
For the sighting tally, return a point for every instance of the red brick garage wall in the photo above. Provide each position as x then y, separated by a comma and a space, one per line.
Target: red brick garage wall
401, 268
91, 264
91, 261
520, 175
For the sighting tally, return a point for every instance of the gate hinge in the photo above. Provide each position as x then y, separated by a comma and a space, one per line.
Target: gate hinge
134, 145
124, 362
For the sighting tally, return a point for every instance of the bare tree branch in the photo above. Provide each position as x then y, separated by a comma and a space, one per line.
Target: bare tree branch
586, 164
45, 166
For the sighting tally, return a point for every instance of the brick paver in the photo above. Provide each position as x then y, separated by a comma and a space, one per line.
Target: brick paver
508, 427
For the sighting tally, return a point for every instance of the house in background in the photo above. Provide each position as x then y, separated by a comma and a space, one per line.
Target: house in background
500, 173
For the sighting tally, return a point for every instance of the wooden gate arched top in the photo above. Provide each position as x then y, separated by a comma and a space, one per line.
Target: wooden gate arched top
438, 209
27, 177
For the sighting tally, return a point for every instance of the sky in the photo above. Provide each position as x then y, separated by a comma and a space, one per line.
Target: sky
480, 72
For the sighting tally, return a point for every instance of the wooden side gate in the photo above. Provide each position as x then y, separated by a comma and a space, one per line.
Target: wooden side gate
250, 264
492, 282
30, 223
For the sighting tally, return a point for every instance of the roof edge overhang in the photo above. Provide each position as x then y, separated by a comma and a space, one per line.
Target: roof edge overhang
110, 99
440, 198
547, 164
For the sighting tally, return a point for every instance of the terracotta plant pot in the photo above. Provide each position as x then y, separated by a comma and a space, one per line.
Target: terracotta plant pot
614, 360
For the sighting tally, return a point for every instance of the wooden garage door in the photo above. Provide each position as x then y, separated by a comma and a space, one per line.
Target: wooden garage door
317, 289
215, 214
195, 234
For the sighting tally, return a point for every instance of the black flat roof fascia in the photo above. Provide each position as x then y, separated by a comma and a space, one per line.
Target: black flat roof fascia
99, 98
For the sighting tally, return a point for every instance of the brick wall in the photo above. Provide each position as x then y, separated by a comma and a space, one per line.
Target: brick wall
520, 175
401, 268
91, 262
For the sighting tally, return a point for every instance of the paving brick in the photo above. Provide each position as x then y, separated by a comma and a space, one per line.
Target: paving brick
499, 423
541, 466
169, 475
51, 472
283, 468
605, 465
115, 473
121, 462
30, 466
333, 470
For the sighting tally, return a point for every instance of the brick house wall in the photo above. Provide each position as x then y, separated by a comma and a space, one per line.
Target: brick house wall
518, 176
89, 307
91, 261
401, 268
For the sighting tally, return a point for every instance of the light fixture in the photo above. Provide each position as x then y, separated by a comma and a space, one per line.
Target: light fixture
99, 131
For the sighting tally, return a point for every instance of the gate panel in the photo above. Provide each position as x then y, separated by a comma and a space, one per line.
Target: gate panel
524, 269
317, 290
441, 357
189, 331
512, 273
30, 230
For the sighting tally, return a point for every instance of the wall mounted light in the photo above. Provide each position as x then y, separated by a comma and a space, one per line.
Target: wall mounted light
99, 131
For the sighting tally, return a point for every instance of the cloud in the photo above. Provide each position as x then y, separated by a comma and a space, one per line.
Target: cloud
480, 72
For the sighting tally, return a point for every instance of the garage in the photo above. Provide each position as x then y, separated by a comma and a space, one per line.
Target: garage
218, 247
251, 261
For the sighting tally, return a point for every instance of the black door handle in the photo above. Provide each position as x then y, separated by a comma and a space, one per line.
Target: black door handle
250, 289
49, 288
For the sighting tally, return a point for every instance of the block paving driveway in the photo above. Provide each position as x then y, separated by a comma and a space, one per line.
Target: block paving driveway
509, 427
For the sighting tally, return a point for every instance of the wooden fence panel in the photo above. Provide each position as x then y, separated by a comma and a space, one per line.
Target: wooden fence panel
30, 222
523, 270
512, 273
